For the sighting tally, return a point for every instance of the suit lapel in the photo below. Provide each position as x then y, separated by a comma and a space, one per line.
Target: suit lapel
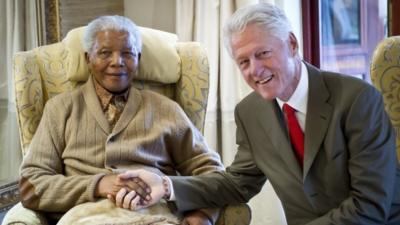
93, 105
319, 112
274, 125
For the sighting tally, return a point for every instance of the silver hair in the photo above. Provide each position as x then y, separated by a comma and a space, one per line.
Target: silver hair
269, 17
118, 23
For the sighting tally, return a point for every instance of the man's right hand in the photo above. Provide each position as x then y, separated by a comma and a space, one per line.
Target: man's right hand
152, 180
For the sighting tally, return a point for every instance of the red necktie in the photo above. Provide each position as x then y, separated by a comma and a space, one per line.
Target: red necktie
295, 132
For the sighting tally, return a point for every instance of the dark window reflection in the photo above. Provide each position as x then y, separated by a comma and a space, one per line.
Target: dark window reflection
340, 21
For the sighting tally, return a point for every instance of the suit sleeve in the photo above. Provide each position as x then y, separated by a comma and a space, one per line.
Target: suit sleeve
372, 164
241, 181
42, 184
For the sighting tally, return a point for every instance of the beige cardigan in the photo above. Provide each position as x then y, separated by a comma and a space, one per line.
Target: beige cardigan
74, 146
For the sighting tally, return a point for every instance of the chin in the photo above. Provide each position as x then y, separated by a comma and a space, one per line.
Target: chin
267, 96
115, 90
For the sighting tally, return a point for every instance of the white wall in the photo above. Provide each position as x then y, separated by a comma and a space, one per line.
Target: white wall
293, 12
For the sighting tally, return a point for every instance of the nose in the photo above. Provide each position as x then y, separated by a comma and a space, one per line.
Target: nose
117, 59
255, 67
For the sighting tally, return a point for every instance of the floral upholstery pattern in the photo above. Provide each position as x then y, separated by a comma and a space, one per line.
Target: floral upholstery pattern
192, 88
38, 75
385, 76
41, 74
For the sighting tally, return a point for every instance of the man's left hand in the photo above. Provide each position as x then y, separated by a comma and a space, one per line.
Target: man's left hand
196, 218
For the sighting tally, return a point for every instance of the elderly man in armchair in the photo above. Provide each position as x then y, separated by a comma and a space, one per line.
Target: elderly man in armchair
88, 136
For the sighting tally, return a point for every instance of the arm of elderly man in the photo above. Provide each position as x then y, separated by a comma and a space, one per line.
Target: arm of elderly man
44, 184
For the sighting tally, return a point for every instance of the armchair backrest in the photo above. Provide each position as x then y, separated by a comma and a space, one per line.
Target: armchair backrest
385, 76
178, 70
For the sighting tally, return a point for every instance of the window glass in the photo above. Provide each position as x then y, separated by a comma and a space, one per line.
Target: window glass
350, 31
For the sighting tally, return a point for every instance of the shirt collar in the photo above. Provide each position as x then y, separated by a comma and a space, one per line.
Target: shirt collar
299, 98
105, 96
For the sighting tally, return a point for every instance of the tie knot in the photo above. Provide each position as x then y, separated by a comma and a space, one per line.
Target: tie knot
288, 109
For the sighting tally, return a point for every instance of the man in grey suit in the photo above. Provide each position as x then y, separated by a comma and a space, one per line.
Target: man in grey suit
346, 169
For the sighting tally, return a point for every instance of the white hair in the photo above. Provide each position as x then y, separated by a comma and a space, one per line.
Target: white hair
269, 17
118, 23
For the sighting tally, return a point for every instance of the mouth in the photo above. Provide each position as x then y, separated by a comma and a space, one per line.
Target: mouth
116, 74
265, 80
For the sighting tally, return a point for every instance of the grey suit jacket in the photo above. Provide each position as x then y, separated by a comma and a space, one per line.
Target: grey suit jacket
350, 173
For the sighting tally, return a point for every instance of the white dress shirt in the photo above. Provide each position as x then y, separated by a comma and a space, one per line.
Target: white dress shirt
299, 98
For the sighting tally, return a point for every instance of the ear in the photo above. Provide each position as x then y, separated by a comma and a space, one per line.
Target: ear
87, 58
293, 44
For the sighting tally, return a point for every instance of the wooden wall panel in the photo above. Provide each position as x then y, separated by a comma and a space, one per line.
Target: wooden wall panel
76, 13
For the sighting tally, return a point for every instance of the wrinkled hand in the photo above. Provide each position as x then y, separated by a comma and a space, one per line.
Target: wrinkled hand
196, 218
127, 199
152, 180
110, 185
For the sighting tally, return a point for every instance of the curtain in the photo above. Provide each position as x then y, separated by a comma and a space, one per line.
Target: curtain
20, 23
203, 21
20, 26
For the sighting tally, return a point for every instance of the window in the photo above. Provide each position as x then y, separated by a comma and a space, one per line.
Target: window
345, 34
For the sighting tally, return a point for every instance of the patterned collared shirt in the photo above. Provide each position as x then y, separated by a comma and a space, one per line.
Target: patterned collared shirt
112, 104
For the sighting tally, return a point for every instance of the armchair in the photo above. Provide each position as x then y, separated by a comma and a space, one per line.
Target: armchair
385, 76
178, 70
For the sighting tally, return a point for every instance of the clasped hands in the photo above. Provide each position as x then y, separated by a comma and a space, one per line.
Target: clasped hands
138, 189
134, 189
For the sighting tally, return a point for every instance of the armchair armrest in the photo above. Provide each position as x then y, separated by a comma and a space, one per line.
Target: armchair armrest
9, 195
235, 215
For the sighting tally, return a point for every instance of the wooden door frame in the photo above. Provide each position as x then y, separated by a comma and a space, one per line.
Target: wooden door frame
394, 18
310, 17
